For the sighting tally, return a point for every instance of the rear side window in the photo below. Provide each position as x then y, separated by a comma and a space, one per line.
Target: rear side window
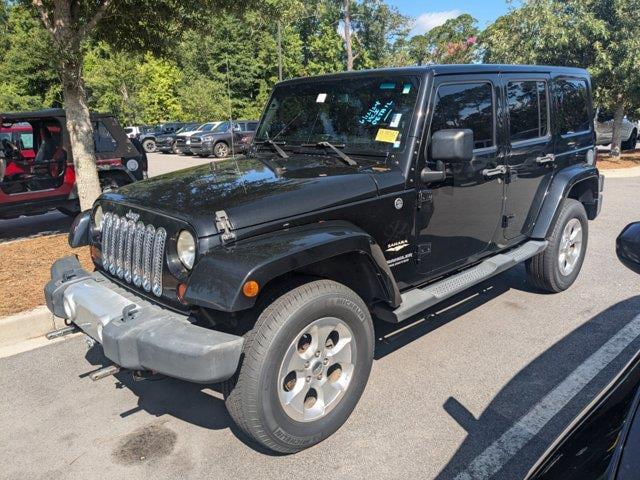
103, 140
528, 110
466, 106
252, 126
573, 106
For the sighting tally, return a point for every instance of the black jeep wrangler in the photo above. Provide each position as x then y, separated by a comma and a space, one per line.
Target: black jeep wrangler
373, 194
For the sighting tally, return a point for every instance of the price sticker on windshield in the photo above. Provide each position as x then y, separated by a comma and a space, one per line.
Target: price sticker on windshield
387, 136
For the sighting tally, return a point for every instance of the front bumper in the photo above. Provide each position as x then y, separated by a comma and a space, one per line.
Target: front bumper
204, 148
137, 334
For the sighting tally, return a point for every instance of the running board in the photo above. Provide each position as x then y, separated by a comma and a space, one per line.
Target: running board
419, 299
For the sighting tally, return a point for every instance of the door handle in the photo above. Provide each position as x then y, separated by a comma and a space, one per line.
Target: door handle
494, 172
546, 159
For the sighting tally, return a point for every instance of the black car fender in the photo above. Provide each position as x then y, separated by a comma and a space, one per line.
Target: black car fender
579, 181
218, 277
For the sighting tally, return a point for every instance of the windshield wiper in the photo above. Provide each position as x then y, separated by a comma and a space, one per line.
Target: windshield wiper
276, 147
343, 156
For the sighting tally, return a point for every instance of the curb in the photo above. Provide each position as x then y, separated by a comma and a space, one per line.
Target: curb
27, 325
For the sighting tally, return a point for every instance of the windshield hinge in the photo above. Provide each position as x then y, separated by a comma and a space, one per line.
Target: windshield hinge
424, 196
224, 226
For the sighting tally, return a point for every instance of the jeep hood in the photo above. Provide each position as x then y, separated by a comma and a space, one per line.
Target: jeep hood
250, 190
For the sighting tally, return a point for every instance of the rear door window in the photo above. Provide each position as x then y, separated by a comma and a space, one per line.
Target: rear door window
528, 110
252, 126
573, 106
466, 106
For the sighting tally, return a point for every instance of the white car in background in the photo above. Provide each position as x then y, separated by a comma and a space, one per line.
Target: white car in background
133, 131
604, 130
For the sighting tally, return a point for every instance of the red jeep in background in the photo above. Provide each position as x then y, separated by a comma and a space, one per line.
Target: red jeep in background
36, 166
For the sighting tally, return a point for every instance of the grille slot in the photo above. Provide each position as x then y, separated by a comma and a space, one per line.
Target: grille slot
133, 252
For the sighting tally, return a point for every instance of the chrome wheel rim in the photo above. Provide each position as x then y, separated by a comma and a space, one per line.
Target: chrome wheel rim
222, 150
317, 369
570, 247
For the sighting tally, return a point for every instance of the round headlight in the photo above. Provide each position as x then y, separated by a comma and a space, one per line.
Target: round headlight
98, 217
186, 248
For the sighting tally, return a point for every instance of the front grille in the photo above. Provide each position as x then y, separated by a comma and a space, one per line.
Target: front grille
133, 252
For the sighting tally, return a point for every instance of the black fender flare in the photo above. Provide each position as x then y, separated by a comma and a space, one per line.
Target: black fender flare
562, 183
217, 278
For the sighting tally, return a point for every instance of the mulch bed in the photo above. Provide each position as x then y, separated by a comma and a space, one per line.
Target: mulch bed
24, 270
626, 160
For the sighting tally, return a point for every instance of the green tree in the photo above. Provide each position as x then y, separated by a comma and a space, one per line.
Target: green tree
28, 78
453, 42
600, 35
73, 23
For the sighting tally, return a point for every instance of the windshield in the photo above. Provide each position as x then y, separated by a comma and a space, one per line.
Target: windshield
359, 113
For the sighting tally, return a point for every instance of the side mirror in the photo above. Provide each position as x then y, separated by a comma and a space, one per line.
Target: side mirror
452, 145
628, 247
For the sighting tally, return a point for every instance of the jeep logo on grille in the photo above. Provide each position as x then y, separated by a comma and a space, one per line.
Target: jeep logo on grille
132, 216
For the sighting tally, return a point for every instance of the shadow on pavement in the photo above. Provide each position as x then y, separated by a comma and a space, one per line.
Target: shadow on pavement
35, 226
533, 383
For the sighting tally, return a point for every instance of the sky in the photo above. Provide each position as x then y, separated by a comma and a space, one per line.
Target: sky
431, 13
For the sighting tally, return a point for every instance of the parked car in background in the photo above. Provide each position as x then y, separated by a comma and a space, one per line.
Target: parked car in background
165, 143
183, 141
148, 136
604, 130
38, 173
224, 140
604, 440
135, 131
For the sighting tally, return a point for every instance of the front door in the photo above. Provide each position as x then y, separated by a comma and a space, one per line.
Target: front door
530, 158
459, 217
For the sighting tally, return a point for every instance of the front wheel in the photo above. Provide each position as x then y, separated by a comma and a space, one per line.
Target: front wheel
557, 267
305, 365
149, 145
221, 150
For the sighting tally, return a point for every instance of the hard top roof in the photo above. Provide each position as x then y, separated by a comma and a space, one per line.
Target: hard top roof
451, 70
43, 114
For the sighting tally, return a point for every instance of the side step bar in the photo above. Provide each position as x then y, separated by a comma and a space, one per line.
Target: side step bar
419, 299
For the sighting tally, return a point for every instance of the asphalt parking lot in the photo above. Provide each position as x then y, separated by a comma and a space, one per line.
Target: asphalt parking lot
477, 388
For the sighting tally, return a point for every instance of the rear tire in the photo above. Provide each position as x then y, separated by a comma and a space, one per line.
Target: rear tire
630, 144
557, 267
311, 343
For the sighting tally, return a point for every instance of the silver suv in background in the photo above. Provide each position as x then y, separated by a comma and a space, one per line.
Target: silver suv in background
604, 130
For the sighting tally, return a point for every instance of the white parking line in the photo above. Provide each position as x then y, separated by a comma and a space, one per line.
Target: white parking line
509, 444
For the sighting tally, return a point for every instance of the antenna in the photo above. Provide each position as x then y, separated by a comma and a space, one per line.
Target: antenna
231, 125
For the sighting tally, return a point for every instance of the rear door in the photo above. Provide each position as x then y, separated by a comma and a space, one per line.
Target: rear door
530, 159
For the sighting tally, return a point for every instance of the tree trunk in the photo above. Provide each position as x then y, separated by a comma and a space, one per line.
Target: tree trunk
79, 127
616, 135
347, 34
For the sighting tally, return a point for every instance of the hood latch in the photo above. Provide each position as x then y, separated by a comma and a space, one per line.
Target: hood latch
224, 226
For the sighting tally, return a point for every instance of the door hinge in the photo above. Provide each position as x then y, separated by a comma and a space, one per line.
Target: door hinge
224, 226
424, 196
506, 219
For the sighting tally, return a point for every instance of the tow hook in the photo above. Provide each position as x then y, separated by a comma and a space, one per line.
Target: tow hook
104, 372
61, 332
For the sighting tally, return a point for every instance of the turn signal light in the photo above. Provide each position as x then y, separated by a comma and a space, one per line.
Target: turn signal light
250, 289
180, 291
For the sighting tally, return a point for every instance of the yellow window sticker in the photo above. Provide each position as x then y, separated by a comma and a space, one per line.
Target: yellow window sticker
387, 136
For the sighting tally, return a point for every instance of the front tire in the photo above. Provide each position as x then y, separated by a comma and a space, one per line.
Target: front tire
221, 150
149, 145
557, 267
305, 365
